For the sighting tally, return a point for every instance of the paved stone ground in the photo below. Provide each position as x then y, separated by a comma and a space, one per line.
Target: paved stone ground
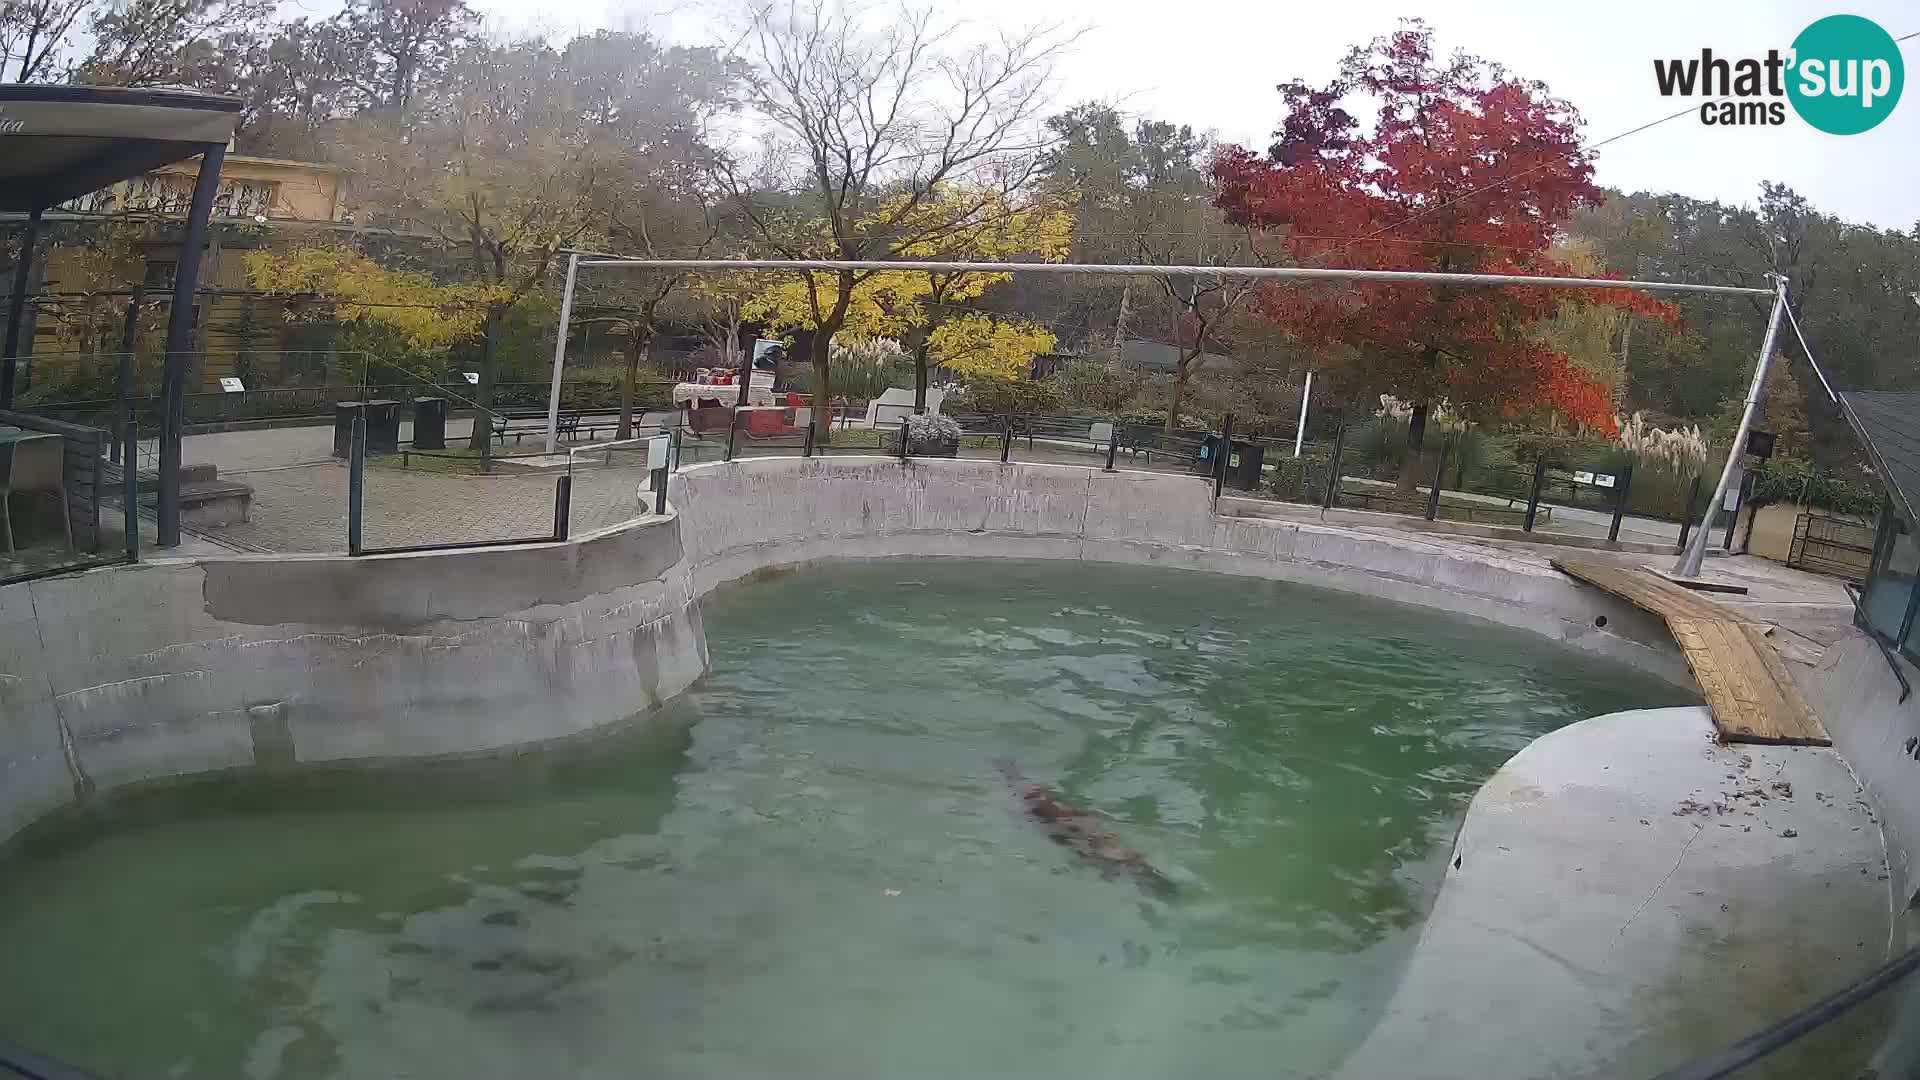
300, 495
300, 490
300, 498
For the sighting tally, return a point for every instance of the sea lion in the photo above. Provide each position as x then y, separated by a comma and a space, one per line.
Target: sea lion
1071, 827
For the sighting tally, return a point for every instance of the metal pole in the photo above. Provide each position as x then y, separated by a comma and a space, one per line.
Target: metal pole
1686, 512
130, 480
560, 356
1439, 478
1281, 273
806, 448
173, 381
1533, 496
744, 372
562, 504
1113, 446
123, 378
903, 440
1689, 564
1333, 473
660, 489
17, 304
733, 425
1739, 504
1300, 429
1223, 455
1625, 484
357, 482
678, 432
1006, 437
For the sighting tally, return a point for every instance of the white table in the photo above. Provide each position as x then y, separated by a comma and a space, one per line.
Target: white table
757, 393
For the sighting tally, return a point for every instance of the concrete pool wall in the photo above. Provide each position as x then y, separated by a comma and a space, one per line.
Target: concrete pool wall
743, 516
1859, 699
177, 667
182, 666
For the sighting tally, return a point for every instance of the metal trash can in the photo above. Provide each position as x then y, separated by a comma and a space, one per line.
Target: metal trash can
429, 423
383, 427
343, 414
1243, 468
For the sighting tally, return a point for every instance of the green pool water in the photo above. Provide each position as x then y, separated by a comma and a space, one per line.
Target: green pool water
810, 864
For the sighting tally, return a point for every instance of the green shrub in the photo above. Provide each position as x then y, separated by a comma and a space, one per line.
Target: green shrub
1790, 480
1090, 387
1009, 396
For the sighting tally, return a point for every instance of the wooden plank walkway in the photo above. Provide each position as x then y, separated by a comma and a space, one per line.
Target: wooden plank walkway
1746, 683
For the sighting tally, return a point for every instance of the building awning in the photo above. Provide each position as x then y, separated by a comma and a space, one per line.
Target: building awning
61, 142
1888, 424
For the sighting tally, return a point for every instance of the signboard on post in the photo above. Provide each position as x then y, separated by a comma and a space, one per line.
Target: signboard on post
1760, 444
657, 448
231, 385
1583, 478
473, 377
1731, 501
1601, 479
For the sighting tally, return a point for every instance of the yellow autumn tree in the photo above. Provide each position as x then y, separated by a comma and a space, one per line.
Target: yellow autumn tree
354, 288
979, 346
958, 224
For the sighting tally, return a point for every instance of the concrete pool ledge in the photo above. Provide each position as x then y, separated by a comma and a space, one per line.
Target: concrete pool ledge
182, 666
745, 516
1626, 893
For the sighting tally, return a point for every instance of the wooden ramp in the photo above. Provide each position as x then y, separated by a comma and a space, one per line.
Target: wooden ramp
1746, 683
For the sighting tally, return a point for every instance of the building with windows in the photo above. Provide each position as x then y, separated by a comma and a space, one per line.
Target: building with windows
105, 245
250, 188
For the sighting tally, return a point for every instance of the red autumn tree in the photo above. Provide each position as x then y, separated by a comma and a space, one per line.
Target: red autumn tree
1463, 170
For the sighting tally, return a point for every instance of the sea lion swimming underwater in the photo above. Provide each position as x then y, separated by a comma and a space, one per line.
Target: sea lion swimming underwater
1071, 827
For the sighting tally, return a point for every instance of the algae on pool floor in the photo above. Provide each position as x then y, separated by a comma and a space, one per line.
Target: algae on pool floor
811, 865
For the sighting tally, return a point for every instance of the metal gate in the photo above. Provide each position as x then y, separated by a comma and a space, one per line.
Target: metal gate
1829, 545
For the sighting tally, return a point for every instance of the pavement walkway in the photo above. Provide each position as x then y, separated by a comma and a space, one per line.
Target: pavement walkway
300, 494
300, 505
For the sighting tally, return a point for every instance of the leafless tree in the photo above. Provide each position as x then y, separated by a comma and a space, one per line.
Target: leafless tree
1178, 225
881, 120
150, 42
33, 35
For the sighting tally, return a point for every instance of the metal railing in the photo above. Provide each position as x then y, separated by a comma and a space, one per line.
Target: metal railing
60, 493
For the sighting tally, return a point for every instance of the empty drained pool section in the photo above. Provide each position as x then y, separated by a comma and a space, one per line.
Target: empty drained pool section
816, 863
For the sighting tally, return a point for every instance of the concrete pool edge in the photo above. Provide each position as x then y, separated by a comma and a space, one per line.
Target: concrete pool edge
175, 667
1672, 893
745, 516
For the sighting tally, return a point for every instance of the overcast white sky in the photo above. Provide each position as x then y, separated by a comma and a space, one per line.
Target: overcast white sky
1214, 63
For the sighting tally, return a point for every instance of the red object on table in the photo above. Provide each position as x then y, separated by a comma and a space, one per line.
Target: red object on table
767, 421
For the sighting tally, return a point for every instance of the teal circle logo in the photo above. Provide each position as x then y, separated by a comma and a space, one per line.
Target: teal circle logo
1846, 75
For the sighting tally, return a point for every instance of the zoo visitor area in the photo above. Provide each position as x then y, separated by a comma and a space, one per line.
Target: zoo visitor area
819, 540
